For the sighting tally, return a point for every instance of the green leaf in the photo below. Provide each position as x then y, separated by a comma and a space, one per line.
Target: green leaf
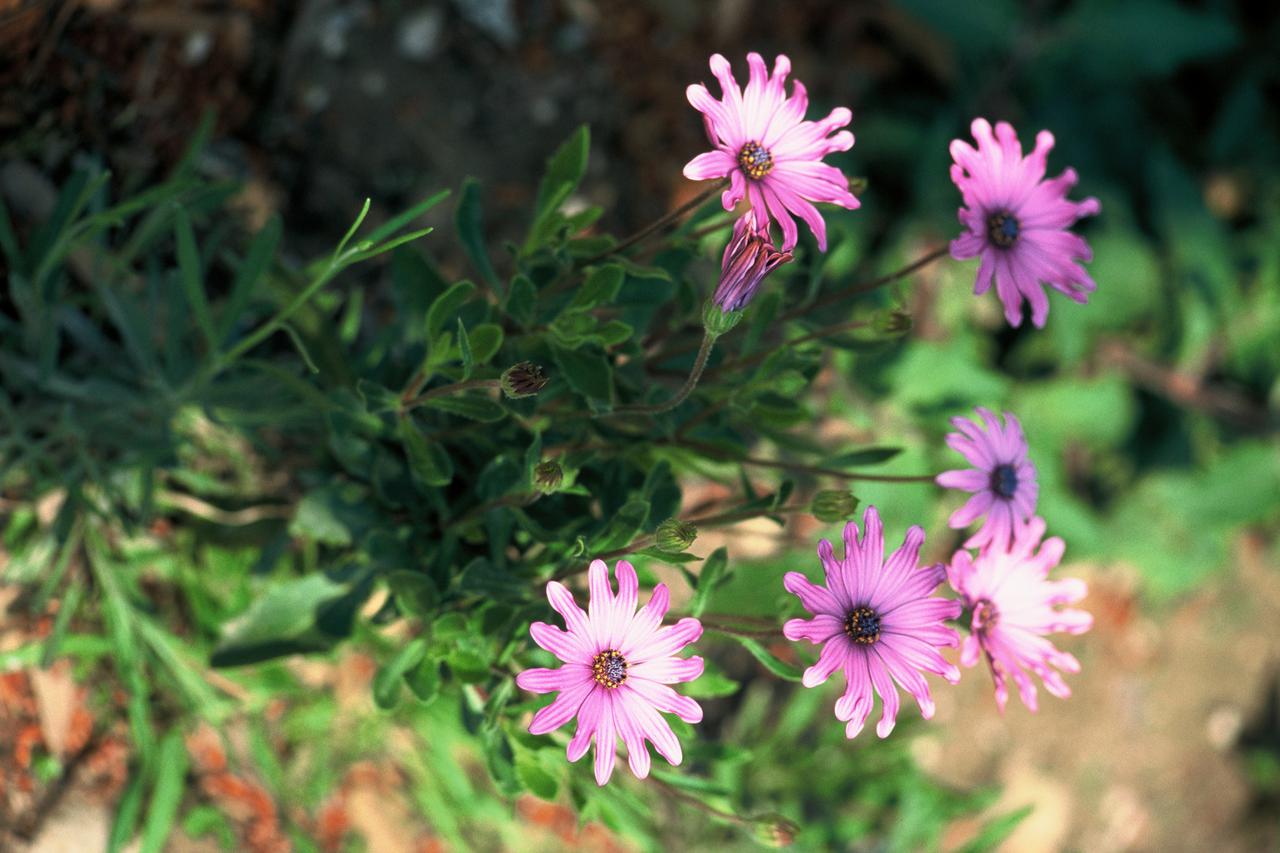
622, 527
464, 349
282, 621
317, 518
587, 371
866, 456
192, 276
445, 307
402, 219
769, 661
171, 772
415, 592
486, 340
424, 680
386, 684
471, 406
712, 573
501, 761
537, 780
564, 172
430, 465
600, 288
522, 300
261, 252
469, 219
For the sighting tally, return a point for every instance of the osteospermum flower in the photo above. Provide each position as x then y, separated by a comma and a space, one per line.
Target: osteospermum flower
748, 259
617, 665
1017, 221
1014, 607
1002, 479
877, 621
771, 155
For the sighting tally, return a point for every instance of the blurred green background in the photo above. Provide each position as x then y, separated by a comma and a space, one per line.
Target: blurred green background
1152, 413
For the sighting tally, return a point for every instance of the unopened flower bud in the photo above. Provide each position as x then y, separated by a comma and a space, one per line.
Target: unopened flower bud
893, 322
833, 505
774, 830
749, 257
675, 535
858, 185
523, 380
547, 476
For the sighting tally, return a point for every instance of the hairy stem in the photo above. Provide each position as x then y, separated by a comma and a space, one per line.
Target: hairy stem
712, 450
699, 364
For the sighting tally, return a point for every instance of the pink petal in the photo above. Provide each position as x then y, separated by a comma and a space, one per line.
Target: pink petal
664, 699
815, 599
568, 647
668, 670
968, 479
562, 710
831, 658
816, 630
709, 165
888, 695
588, 719
665, 642
539, 680
606, 741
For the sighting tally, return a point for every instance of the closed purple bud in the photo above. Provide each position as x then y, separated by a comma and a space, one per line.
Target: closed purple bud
749, 257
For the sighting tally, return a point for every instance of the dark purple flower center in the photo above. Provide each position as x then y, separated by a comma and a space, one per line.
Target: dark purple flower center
609, 668
755, 160
1003, 228
1004, 481
985, 615
863, 626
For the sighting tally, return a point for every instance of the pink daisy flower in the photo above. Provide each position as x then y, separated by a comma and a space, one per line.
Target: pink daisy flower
1017, 221
618, 663
1014, 608
878, 622
771, 155
1003, 480
748, 259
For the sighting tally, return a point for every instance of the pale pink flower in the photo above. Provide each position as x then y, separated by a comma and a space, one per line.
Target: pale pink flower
748, 259
618, 663
878, 622
1002, 479
771, 155
1017, 221
1014, 607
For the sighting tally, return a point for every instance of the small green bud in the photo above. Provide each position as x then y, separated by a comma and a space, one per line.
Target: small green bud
833, 505
718, 322
675, 535
858, 185
893, 322
523, 380
774, 830
547, 476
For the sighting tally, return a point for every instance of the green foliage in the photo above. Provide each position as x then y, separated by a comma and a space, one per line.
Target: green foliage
361, 479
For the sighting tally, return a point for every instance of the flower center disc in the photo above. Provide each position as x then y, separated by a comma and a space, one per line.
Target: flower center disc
985, 615
863, 626
755, 160
1004, 481
1003, 228
609, 669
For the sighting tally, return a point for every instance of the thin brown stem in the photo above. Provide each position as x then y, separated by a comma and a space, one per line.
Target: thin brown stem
698, 804
447, 390
712, 450
865, 287
657, 225
749, 633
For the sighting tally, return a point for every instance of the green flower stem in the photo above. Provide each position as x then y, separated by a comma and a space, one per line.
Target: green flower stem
699, 364
712, 450
657, 225
447, 390
756, 358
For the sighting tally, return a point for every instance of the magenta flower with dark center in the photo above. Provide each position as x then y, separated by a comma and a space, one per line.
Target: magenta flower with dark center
771, 155
1017, 221
1014, 607
617, 664
878, 621
1002, 479
748, 259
